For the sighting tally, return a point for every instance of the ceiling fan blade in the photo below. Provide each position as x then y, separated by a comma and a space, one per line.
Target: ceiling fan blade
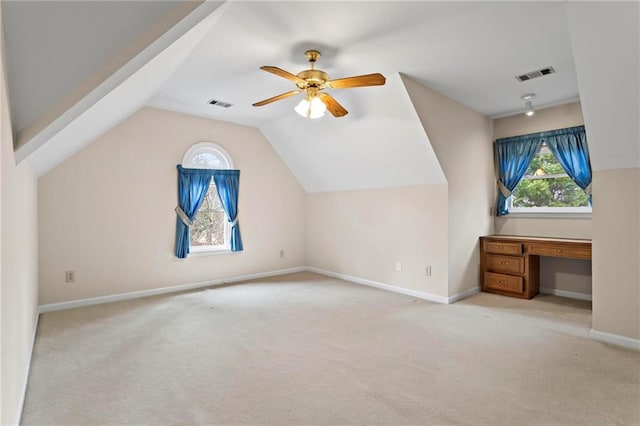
332, 105
282, 73
276, 98
358, 81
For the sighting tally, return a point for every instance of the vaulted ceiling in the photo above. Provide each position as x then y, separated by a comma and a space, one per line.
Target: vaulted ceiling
468, 51
180, 55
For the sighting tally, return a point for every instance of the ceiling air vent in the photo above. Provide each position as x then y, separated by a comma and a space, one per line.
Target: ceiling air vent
535, 74
220, 103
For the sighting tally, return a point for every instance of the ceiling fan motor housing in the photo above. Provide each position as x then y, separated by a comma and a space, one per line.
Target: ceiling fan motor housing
312, 78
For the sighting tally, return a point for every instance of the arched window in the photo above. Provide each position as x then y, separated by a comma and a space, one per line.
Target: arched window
210, 229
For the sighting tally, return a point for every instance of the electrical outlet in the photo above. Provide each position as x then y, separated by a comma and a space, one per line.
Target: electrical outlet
398, 266
427, 271
70, 276
490, 210
281, 253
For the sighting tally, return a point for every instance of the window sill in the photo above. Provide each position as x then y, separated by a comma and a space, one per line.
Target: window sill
197, 252
547, 215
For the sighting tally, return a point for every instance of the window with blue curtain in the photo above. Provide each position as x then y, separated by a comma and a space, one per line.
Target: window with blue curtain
207, 211
545, 171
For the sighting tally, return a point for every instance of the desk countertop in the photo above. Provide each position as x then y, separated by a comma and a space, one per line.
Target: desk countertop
530, 238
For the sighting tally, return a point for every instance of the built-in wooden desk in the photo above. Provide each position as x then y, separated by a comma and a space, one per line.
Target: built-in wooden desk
510, 265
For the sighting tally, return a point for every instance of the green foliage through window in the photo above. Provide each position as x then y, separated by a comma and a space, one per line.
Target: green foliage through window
547, 185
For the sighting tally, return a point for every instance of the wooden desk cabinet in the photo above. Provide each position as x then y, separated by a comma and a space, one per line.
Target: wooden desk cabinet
510, 265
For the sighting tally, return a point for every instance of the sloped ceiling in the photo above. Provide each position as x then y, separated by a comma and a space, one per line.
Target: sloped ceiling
52, 46
70, 134
609, 79
356, 152
469, 51
80, 105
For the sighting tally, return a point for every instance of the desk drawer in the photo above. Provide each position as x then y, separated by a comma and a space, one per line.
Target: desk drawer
560, 251
503, 248
508, 264
503, 282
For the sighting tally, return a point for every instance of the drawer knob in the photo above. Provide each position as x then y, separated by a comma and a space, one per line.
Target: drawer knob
559, 250
502, 282
504, 263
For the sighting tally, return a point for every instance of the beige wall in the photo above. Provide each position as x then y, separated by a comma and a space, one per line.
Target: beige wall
558, 117
555, 274
461, 139
108, 211
19, 265
363, 233
611, 110
616, 252
544, 226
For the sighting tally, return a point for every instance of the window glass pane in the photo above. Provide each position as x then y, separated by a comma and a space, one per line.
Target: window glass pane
207, 204
215, 200
207, 155
208, 159
549, 192
544, 163
209, 224
546, 184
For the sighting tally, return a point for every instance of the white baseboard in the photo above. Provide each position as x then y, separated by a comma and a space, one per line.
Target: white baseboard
192, 286
25, 380
370, 283
615, 339
463, 295
568, 294
52, 307
163, 290
396, 289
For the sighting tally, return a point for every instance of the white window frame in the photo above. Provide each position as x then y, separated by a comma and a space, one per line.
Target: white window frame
188, 162
561, 212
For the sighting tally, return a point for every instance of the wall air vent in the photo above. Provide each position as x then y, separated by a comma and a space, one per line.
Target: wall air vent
535, 74
220, 103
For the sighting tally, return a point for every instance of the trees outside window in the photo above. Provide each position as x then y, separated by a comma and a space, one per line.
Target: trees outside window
209, 227
546, 185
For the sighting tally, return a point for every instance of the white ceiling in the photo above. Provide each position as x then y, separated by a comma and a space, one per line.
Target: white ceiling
469, 51
609, 79
356, 152
47, 59
122, 94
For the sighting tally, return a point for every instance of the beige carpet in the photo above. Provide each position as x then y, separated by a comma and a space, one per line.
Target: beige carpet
306, 349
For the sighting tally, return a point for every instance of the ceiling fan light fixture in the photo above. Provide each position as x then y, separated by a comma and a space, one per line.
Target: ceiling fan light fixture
314, 82
311, 108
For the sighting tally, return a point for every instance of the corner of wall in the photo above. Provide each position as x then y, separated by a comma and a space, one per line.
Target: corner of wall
461, 139
18, 265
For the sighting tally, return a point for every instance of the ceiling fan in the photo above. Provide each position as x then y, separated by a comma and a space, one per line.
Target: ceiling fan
312, 82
